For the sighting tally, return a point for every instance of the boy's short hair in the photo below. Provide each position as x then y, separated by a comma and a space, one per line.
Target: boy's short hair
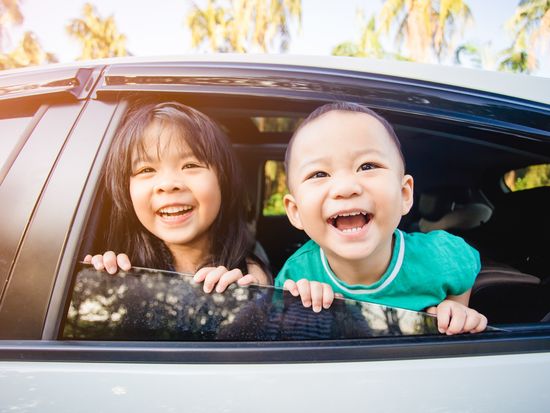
344, 107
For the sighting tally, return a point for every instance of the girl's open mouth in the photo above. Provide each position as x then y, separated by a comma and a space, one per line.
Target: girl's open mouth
350, 222
174, 211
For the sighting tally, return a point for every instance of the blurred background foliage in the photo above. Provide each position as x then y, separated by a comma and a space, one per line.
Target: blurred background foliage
531, 177
430, 31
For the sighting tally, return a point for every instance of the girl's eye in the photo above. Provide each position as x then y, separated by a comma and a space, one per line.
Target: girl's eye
145, 170
318, 174
367, 166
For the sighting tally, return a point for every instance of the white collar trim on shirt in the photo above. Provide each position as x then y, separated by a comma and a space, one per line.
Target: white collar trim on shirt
395, 271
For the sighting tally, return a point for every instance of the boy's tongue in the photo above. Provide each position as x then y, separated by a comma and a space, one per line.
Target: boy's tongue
355, 221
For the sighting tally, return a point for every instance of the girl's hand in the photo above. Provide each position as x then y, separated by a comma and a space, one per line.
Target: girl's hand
314, 294
220, 278
456, 318
109, 261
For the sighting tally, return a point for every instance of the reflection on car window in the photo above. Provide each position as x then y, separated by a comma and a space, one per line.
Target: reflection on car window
534, 176
159, 305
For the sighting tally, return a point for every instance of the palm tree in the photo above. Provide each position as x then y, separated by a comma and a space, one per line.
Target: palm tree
243, 25
99, 37
530, 26
369, 44
425, 27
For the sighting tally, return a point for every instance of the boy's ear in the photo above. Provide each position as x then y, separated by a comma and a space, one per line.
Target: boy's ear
292, 211
407, 190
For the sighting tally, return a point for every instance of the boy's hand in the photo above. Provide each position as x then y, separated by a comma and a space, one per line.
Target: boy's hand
456, 318
314, 294
109, 261
220, 278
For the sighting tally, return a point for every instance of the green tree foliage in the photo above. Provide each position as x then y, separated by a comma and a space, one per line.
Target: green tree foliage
530, 28
533, 176
10, 15
424, 27
29, 52
243, 25
99, 37
275, 188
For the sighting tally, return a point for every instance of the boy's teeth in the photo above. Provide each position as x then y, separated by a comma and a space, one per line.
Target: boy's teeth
351, 229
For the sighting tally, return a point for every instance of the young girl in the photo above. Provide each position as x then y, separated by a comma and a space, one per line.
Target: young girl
178, 199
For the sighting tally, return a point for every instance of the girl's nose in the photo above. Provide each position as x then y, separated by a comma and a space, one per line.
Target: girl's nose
345, 186
168, 183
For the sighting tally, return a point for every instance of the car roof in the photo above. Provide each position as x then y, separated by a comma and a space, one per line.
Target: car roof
521, 86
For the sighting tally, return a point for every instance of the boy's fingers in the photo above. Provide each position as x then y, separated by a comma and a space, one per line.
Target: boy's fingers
328, 296
443, 312
316, 291
291, 287
305, 292
229, 277
123, 262
458, 320
338, 295
481, 326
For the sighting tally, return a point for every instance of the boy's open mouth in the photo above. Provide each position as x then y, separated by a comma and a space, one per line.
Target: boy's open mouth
350, 222
174, 211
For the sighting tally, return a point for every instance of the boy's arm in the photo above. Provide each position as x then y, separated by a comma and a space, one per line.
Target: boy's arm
454, 316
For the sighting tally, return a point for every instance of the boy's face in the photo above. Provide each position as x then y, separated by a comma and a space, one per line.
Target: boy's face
348, 190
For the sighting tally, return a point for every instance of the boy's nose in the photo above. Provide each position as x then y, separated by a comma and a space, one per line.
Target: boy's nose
345, 187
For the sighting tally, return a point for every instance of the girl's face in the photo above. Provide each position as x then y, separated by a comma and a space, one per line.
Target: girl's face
175, 196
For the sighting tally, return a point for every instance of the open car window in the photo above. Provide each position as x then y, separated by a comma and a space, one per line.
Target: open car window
144, 304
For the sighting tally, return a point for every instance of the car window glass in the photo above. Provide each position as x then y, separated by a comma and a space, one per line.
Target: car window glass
274, 188
145, 304
534, 176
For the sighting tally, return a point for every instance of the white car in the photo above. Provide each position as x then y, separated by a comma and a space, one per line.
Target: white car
76, 340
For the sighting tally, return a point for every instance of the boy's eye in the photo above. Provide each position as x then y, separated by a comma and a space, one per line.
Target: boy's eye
190, 165
367, 166
318, 174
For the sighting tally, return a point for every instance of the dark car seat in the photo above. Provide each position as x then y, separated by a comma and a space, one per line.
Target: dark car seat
502, 292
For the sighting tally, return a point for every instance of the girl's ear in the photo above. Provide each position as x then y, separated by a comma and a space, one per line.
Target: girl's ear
407, 189
292, 211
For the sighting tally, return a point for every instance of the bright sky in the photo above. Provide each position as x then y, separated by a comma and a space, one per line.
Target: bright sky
160, 29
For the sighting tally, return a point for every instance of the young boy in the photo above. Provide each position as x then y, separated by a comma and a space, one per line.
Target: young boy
348, 191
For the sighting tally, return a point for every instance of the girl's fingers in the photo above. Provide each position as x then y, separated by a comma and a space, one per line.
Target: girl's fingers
227, 278
212, 279
247, 280
88, 259
110, 262
123, 262
97, 262
201, 274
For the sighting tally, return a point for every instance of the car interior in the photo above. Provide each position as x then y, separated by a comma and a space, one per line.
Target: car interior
460, 175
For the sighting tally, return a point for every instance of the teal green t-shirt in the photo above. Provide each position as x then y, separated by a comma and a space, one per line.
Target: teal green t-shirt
424, 270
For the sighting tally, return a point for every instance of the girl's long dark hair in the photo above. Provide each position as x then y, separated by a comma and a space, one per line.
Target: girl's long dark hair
231, 241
